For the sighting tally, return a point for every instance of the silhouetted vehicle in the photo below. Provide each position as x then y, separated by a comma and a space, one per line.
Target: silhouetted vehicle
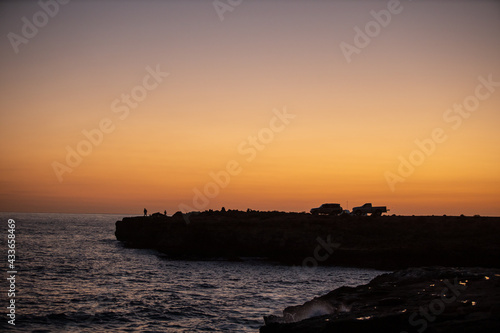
367, 208
328, 208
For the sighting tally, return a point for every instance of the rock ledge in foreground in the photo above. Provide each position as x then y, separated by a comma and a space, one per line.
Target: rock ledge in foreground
430, 299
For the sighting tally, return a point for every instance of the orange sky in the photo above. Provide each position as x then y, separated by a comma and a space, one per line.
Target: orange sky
229, 84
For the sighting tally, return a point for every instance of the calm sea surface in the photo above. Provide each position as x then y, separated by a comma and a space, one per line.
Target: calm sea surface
74, 276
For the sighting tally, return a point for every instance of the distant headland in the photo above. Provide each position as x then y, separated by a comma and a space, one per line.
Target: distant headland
383, 242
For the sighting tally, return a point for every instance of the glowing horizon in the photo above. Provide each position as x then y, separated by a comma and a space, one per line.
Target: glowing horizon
166, 93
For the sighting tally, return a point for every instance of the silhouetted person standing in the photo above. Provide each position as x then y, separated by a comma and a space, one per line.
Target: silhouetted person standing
145, 212
165, 213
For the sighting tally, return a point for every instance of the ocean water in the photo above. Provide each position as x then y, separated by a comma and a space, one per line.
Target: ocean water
74, 276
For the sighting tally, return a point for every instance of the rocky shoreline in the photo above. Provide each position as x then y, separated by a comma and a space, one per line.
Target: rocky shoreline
430, 299
441, 298
386, 242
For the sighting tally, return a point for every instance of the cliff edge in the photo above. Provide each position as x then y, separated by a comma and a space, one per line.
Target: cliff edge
385, 242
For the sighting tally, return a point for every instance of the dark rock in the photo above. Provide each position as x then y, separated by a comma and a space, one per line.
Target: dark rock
177, 215
386, 242
432, 299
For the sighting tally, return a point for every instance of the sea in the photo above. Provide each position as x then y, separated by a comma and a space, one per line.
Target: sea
72, 275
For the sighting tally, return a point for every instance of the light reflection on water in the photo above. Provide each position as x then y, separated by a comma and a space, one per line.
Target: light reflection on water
74, 275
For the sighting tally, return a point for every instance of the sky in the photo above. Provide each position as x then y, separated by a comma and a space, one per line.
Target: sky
115, 106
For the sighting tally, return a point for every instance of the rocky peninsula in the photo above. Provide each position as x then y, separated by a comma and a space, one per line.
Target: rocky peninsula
435, 297
383, 242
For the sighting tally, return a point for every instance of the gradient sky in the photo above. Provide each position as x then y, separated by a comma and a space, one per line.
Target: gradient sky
353, 120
